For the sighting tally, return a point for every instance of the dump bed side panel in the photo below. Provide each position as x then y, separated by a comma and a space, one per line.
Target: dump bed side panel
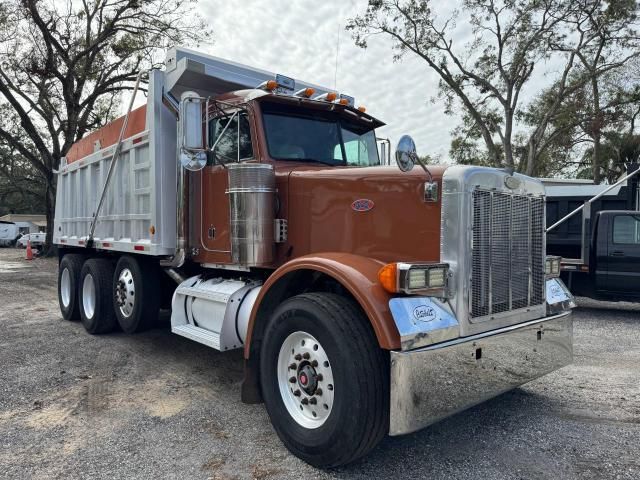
138, 214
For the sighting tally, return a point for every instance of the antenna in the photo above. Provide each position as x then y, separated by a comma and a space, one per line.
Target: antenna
335, 75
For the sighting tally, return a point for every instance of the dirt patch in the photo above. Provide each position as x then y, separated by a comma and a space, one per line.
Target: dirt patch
49, 417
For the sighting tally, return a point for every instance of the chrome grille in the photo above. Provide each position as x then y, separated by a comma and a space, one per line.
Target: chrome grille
507, 252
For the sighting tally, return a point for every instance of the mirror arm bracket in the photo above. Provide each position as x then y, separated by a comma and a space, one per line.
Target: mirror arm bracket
424, 167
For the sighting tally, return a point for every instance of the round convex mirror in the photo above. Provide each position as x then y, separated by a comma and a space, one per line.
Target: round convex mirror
406, 153
193, 161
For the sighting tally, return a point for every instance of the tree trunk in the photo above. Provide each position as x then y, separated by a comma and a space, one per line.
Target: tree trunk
596, 130
506, 141
50, 206
597, 172
531, 157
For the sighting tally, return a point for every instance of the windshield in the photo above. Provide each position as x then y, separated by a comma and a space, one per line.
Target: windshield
316, 136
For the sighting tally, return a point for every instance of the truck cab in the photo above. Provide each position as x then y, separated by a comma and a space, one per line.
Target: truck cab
614, 270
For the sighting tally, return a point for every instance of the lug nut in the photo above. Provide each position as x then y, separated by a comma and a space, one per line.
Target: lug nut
292, 379
318, 391
306, 356
298, 357
313, 401
319, 377
314, 363
304, 401
293, 366
297, 393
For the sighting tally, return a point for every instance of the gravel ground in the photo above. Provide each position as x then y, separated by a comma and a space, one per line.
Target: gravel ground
156, 405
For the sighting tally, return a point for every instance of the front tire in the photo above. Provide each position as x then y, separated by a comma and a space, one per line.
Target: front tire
136, 294
96, 309
324, 379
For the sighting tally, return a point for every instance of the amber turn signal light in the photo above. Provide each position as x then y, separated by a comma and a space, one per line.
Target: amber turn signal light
429, 279
388, 277
331, 96
362, 109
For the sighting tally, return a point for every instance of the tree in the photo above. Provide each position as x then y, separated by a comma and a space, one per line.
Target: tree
573, 139
511, 39
65, 64
21, 188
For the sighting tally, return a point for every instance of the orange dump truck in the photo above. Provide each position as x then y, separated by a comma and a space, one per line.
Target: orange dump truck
369, 300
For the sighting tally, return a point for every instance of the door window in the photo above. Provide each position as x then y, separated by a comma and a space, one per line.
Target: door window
626, 229
230, 138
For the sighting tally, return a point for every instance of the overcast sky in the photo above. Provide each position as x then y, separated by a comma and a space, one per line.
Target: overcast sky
299, 38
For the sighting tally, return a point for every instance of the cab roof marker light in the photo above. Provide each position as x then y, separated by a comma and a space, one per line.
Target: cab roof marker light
269, 85
347, 100
305, 92
281, 82
327, 97
362, 109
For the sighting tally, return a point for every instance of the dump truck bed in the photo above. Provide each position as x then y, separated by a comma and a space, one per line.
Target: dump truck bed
139, 211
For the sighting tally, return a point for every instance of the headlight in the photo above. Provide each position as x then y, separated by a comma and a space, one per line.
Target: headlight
552, 266
424, 278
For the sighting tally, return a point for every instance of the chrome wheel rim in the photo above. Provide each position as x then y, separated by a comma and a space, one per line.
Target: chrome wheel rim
89, 296
65, 288
305, 380
125, 292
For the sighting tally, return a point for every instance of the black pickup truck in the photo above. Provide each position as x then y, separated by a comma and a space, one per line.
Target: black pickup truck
600, 245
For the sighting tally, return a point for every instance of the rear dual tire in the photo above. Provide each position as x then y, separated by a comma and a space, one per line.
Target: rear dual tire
96, 310
136, 294
68, 276
103, 296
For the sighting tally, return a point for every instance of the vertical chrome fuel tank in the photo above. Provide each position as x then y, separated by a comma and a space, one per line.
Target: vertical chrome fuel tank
251, 200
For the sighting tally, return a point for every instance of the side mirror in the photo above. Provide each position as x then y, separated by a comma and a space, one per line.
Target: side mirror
193, 150
406, 153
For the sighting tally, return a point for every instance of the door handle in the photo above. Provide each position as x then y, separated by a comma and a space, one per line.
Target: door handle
617, 253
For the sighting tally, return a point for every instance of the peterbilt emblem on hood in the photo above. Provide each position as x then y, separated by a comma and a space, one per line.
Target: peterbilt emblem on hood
362, 205
424, 313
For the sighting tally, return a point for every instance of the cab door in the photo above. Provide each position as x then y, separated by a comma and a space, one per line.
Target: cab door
623, 257
230, 140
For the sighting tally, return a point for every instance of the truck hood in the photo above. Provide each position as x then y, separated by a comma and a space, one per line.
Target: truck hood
377, 212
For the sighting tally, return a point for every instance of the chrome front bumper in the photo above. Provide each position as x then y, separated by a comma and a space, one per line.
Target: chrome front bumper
431, 383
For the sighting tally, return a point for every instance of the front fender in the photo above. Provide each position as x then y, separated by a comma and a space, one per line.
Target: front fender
358, 274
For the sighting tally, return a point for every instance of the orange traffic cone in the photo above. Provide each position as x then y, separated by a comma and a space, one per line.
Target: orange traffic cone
29, 251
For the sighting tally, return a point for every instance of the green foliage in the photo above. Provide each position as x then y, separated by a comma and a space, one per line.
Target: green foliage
21, 188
